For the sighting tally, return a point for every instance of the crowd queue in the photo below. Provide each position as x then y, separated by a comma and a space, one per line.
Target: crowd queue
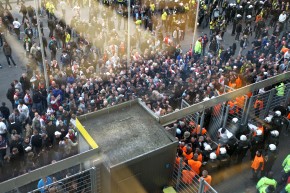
88, 69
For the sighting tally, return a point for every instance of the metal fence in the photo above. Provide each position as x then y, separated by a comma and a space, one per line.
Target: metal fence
186, 180
216, 120
246, 110
79, 166
81, 181
194, 118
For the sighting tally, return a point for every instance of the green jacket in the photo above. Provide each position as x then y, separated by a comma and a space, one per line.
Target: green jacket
197, 47
287, 188
280, 89
263, 184
286, 164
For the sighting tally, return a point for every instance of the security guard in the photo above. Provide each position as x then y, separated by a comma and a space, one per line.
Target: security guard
286, 168
266, 184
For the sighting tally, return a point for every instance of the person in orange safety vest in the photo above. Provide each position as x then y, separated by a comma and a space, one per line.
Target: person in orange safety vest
257, 165
258, 106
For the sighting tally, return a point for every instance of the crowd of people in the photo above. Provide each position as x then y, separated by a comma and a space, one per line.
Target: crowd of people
198, 152
88, 66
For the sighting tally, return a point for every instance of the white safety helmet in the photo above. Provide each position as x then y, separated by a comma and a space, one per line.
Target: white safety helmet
259, 132
275, 133
178, 131
207, 148
251, 6
243, 138
272, 147
239, 15
235, 120
268, 119
278, 113
212, 155
249, 16
223, 150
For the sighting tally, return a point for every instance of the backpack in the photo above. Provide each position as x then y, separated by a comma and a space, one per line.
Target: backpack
52, 45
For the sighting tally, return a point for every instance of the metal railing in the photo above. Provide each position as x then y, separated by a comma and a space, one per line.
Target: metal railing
78, 182
194, 118
185, 180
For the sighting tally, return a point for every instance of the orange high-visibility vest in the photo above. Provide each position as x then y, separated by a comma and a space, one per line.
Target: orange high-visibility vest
240, 101
198, 131
208, 180
231, 107
195, 165
188, 156
199, 158
217, 152
257, 162
238, 82
216, 109
187, 176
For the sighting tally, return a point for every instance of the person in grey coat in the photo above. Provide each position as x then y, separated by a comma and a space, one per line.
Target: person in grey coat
8, 53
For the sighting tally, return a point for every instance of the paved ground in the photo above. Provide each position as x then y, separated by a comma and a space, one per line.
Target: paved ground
234, 180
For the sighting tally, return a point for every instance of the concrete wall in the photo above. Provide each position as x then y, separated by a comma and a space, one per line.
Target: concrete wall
147, 173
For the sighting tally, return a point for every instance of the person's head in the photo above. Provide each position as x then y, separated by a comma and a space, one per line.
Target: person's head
3, 104
204, 173
258, 153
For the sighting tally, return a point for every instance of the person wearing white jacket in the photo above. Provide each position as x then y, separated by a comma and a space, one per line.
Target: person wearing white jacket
283, 18
22, 108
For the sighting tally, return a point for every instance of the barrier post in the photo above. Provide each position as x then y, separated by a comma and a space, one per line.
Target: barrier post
287, 97
272, 93
226, 116
201, 186
248, 108
93, 180
179, 174
201, 121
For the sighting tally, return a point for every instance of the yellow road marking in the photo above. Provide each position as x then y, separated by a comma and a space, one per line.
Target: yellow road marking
86, 135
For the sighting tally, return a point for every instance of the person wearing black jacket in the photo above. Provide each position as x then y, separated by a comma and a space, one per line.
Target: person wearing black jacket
51, 26
23, 10
14, 127
36, 142
37, 100
50, 128
5, 111
239, 30
25, 82
10, 94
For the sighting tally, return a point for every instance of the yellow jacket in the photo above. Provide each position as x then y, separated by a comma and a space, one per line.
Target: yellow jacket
67, 38
164, 16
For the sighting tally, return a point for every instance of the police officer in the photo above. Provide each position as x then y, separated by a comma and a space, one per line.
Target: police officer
273, 138
235, 125
277, 121
242, 148
213, 164
270, 157
223, 158
256, 143
286, 168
